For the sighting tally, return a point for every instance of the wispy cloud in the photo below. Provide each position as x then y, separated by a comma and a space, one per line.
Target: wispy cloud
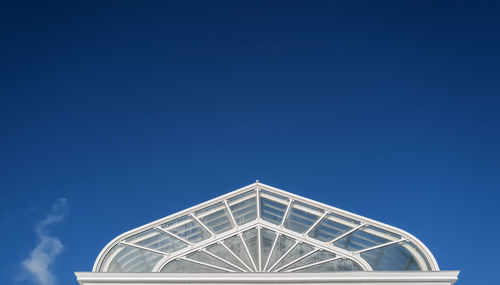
40, 260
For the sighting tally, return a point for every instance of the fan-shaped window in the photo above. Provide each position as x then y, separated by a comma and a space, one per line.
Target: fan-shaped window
262, 229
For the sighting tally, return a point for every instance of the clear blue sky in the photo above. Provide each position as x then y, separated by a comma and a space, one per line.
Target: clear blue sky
133, 111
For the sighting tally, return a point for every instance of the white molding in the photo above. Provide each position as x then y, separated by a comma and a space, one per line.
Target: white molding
338, 278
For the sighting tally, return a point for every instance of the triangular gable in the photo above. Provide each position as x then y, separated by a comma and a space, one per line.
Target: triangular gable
259, 228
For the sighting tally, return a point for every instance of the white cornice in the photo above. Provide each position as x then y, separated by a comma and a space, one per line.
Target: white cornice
338, 278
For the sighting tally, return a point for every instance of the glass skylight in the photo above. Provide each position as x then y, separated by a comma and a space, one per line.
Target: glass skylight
263, 229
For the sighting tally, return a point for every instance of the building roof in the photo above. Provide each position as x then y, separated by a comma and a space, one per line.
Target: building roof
259, 228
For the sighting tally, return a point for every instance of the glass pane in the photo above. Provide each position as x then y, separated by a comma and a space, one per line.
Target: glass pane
184, 266
158, 240
244, 207
272, 207
221, 252
392, 257
187, 228
364, 238
331, 227
268, 237
284, 243
216, 218
302, 217
123, 258
250, 238
300, 250
334, 265
235, 244
319, 255
206, 258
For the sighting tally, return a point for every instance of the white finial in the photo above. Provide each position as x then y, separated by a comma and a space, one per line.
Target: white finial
257, 181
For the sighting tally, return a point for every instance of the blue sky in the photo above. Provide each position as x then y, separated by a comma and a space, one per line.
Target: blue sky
115, 114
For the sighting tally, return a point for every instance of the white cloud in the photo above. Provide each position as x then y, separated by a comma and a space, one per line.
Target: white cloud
40, 260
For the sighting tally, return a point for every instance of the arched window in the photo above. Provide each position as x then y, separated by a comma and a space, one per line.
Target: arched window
259, 228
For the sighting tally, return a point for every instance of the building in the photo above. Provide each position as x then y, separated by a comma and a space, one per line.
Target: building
261, 234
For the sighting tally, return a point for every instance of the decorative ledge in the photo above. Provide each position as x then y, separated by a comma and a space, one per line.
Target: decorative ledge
340, 278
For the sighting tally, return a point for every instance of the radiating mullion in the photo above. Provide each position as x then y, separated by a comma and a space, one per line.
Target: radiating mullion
314, 264
297, 259
272, 250
223, 260
247, 250
284, 255
235, 255
207, 264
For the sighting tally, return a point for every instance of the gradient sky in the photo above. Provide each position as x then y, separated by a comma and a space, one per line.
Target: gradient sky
115, 113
